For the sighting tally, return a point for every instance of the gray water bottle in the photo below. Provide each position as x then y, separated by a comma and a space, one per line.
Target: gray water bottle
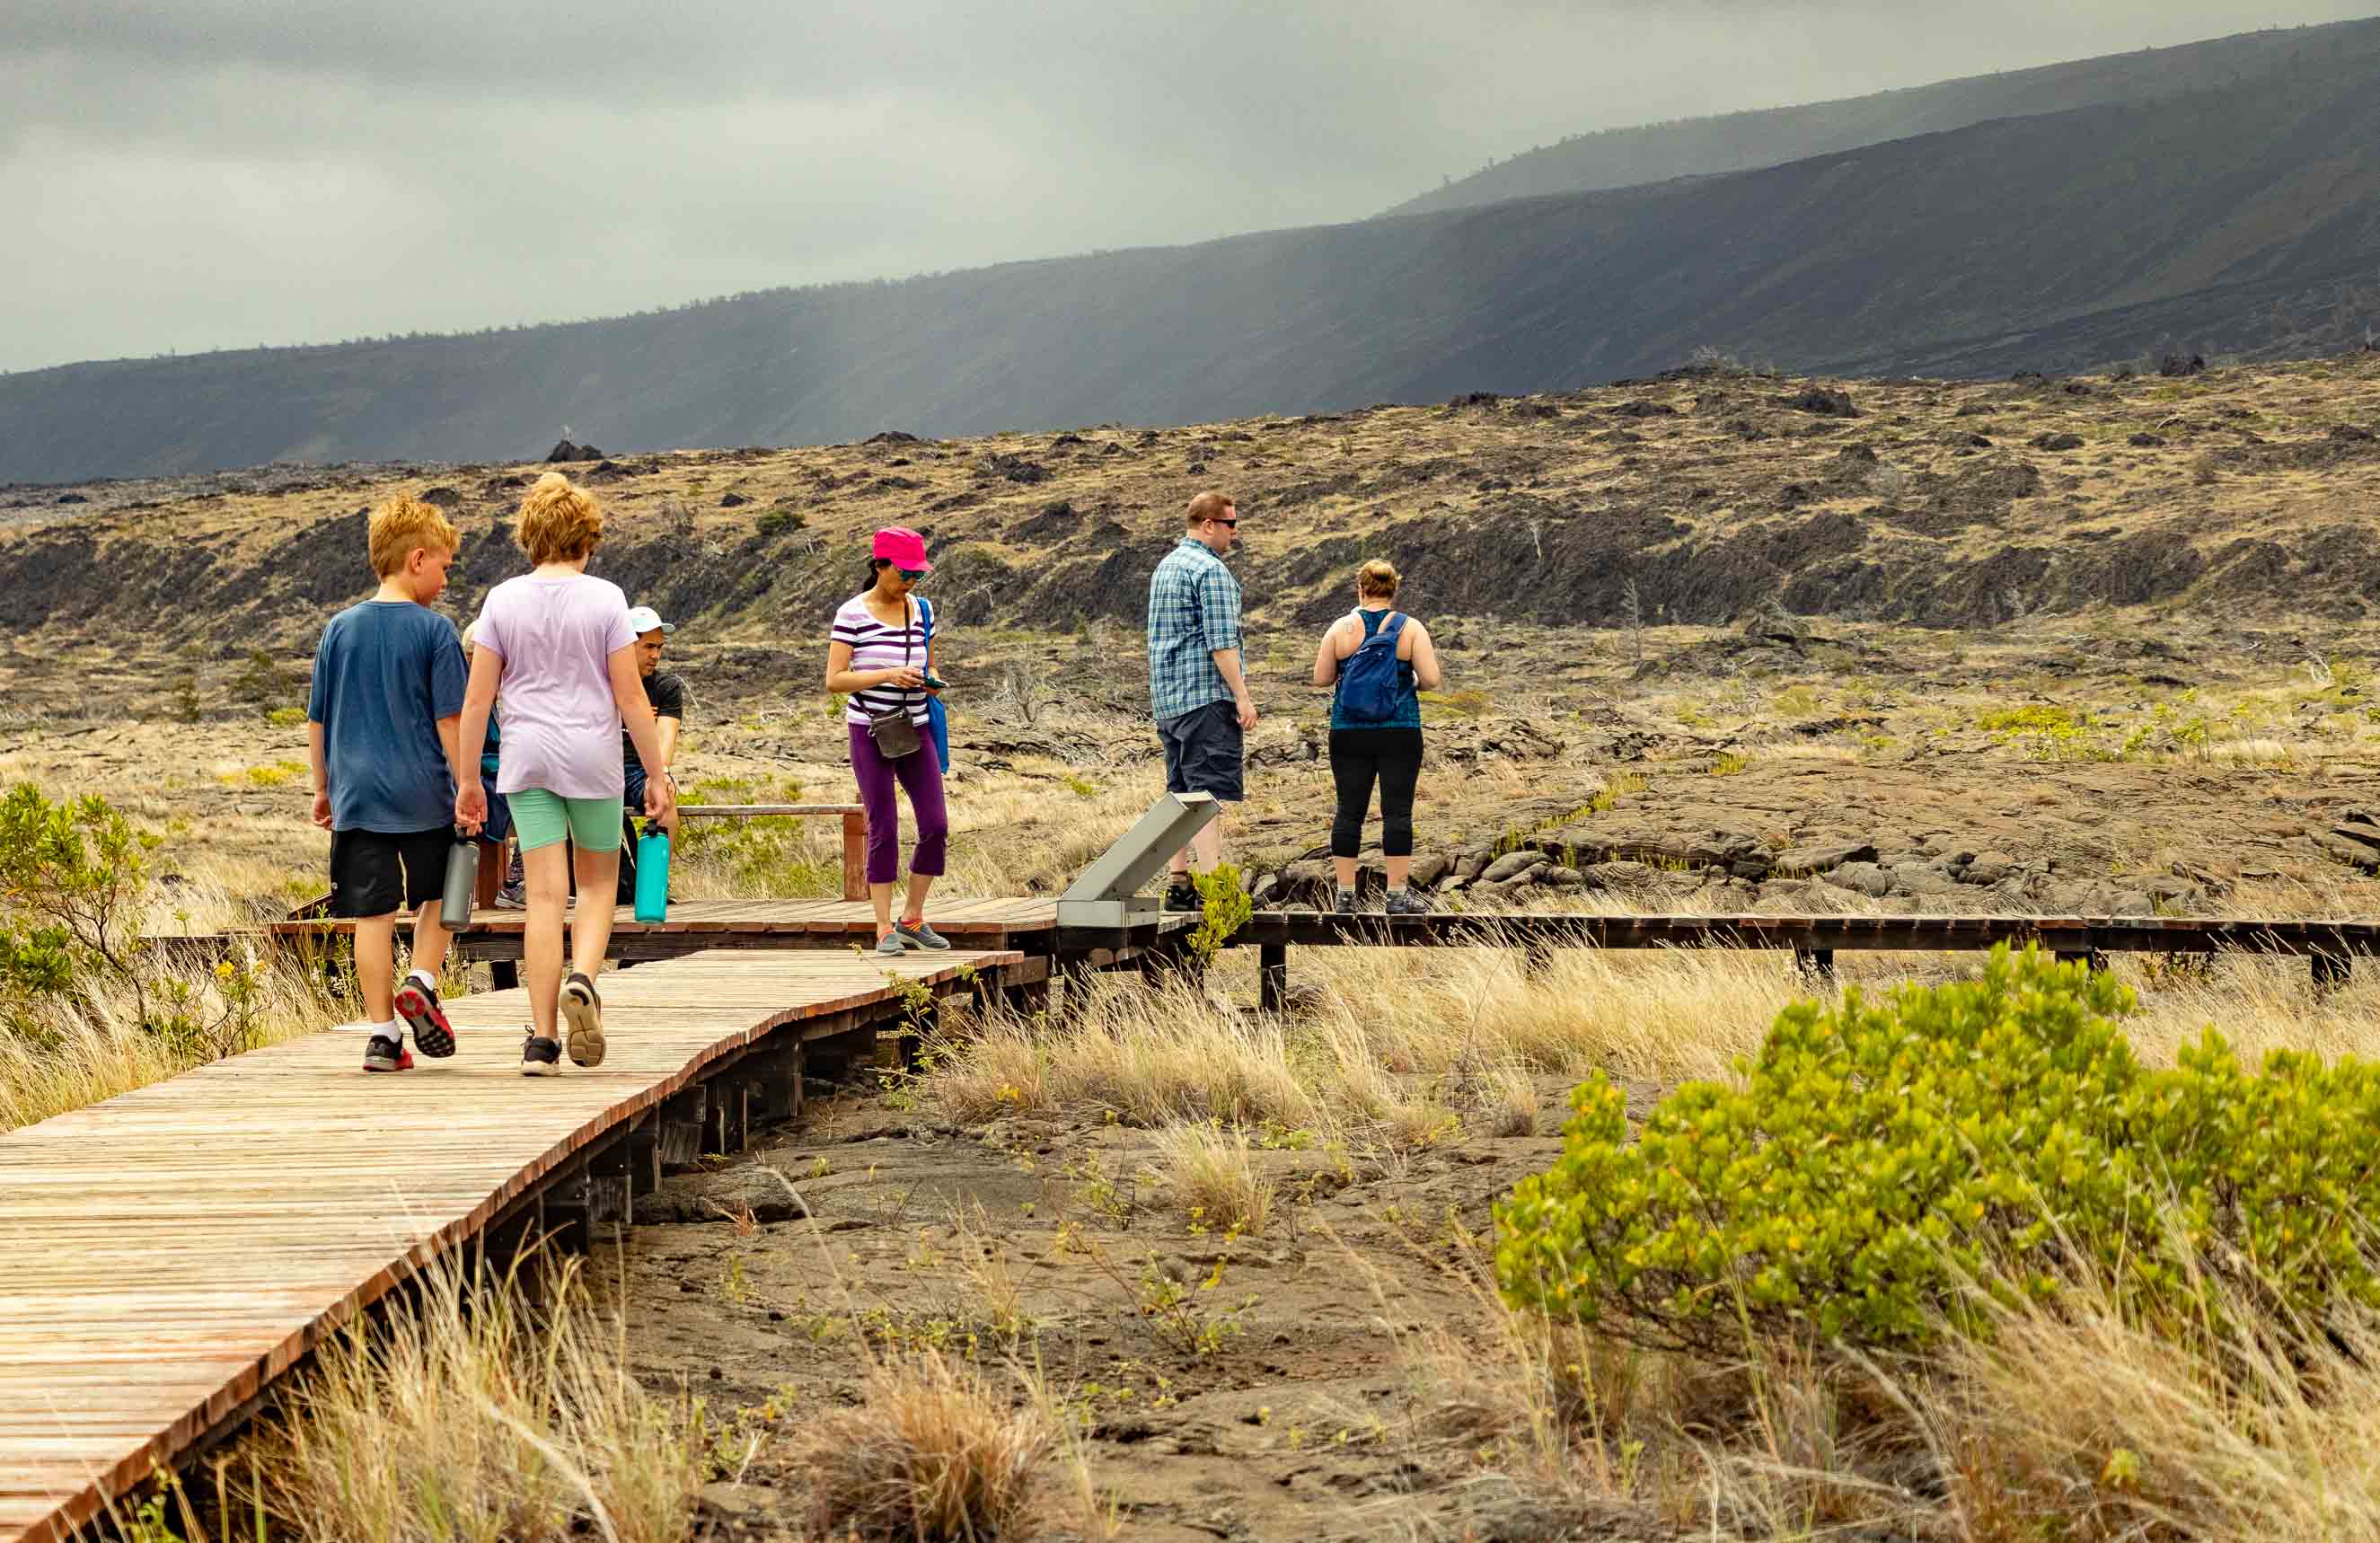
462, 880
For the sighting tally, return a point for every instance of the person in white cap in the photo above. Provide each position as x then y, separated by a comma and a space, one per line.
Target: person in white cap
667, 693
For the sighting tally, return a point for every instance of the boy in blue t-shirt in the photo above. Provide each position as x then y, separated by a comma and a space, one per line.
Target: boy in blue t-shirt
383, 726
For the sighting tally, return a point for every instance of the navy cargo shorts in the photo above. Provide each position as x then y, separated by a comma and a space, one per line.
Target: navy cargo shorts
1202, 752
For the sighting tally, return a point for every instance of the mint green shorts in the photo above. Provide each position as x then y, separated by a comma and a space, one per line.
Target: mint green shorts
541, 819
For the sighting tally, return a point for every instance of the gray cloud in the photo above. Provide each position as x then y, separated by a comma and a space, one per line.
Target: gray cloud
191, 174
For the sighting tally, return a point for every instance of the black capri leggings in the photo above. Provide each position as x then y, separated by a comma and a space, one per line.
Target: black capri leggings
1357, 757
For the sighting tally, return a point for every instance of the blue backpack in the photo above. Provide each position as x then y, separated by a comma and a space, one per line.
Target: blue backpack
1371, 685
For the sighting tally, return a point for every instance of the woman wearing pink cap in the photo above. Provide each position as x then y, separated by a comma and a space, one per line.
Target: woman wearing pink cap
881, 661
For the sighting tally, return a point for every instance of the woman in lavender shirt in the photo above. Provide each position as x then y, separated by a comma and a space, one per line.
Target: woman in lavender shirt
558, 643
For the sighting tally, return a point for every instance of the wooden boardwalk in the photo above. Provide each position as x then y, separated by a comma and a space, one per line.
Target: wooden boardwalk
166, 1255
695, 925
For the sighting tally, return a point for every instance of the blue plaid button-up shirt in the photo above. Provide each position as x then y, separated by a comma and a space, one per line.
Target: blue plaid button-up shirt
1193, 609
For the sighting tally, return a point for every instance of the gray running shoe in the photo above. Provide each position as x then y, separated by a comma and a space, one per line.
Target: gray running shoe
920, 935
1404, 903
539, 1057
582, 1011
1346, 904
889, 945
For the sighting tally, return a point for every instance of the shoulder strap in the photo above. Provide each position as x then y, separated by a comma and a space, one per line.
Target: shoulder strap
926, 616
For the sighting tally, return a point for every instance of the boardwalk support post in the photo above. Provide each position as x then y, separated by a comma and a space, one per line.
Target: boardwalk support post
1272, 977
679, 1137
1814, 963
2331, 971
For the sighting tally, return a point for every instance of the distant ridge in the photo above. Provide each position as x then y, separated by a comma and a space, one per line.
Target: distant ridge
2245, 219
1771, 137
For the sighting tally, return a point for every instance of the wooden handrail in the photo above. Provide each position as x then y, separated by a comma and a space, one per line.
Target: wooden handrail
759, 811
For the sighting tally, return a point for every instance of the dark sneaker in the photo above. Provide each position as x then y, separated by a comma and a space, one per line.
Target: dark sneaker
920, 934
539, 1057
385, 1054
889, 945
1406, 902
1183, 897
1344, 905
419, 1006
510, 898
582, 1010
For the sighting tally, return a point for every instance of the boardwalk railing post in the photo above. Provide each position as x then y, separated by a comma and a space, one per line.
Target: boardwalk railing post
855, 856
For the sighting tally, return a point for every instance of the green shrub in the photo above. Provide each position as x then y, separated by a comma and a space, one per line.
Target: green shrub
1224, 908
286, 717
1879, 1158
777, 522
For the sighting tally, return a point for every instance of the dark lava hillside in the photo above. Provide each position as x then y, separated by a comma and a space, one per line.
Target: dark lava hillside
1712, 496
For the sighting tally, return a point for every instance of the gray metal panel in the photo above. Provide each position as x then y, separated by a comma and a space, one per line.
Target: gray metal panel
1120, 871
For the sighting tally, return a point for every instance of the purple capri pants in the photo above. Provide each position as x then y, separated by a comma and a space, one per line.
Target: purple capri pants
920, 772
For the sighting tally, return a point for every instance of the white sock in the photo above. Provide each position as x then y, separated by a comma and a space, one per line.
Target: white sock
425, 977
390, 1030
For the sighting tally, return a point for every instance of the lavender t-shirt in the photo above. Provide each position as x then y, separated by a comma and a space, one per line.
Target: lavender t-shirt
557, 637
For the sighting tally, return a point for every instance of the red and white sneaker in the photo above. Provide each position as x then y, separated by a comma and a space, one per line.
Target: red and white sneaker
383, 1055
417, 1005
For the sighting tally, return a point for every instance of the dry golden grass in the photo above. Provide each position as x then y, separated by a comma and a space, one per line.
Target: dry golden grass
55, 1057
489, 1413
933, 1452
1213, 1179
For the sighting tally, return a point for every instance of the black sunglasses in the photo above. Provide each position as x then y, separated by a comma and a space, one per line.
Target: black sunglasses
1235, 524
912, 575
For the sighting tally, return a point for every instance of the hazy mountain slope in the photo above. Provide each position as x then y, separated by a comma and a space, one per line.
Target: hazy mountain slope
1744, 141
2028, 237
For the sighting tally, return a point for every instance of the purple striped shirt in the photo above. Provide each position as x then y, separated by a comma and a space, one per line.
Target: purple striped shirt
874, 645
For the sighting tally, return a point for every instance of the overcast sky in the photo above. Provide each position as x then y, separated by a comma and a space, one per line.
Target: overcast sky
193, 174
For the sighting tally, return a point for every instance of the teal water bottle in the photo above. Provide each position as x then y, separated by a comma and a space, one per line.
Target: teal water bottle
653, 874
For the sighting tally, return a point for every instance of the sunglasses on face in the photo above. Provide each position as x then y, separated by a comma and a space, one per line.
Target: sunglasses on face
912, 575
1234, 522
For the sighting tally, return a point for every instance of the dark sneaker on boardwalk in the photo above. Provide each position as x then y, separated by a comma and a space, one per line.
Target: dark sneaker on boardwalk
385, 1054
1344, 905
510, 898
1183, 897
889, 945
1404, 903
539, 1057
582, 1014
920, 934
417, 1005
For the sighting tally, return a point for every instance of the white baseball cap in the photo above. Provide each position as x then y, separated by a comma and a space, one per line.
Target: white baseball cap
643, 618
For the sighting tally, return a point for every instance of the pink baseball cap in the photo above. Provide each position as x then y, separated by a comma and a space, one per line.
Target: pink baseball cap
904, 547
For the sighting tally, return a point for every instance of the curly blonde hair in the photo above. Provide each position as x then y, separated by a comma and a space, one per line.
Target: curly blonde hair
405, 525
560, 521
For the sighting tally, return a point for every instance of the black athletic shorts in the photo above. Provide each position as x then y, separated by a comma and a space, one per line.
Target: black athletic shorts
1202, 752
375, 874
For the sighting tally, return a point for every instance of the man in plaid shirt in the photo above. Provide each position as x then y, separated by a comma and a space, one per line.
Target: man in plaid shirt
1195, 691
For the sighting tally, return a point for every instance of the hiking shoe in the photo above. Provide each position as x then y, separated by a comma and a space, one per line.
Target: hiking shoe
417, 1005
1344, 905
510, 898
583, 1010
889, 945
1406, 902
1181, 897
539, 1057
385, 1054
920, 934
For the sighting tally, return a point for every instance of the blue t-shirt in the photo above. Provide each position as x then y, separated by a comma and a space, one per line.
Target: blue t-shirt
384, 673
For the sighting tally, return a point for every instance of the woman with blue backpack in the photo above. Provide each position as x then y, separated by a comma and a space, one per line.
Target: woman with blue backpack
1379, 660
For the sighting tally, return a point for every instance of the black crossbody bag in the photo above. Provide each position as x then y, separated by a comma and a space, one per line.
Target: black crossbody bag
894, 734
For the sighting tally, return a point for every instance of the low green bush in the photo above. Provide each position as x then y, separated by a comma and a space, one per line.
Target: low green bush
1884, 1164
